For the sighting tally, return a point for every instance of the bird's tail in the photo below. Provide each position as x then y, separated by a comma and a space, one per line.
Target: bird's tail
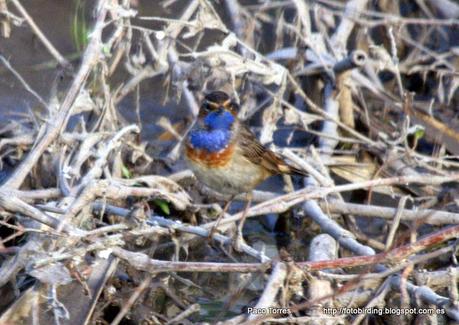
286, 168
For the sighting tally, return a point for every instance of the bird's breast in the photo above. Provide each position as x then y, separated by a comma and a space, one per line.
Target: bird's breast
210, 159
227, 171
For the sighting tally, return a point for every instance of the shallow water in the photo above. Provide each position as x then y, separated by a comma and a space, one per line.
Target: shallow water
32, 61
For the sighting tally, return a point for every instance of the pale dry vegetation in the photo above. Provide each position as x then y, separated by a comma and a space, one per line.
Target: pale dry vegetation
100, 224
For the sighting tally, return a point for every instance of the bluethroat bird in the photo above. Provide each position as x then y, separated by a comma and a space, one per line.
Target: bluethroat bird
226, 156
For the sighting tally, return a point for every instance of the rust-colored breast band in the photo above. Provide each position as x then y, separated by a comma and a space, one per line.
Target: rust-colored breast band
210, 159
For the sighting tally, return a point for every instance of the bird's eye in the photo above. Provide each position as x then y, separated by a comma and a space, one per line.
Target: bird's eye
209, 106
234, 107
205, 105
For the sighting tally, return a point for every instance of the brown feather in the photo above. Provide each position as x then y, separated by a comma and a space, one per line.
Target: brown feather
253, 150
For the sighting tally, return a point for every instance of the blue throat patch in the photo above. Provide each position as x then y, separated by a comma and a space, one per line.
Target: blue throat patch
219, 120
217, 132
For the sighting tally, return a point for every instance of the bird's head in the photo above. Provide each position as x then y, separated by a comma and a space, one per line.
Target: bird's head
218, 111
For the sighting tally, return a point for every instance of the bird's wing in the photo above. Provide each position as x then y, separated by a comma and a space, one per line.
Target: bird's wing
254, 151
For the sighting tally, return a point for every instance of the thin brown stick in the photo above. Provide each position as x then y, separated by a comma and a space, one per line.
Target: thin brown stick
284, 202
143, 262
37, 31
428, 216
58, 123
132, 299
